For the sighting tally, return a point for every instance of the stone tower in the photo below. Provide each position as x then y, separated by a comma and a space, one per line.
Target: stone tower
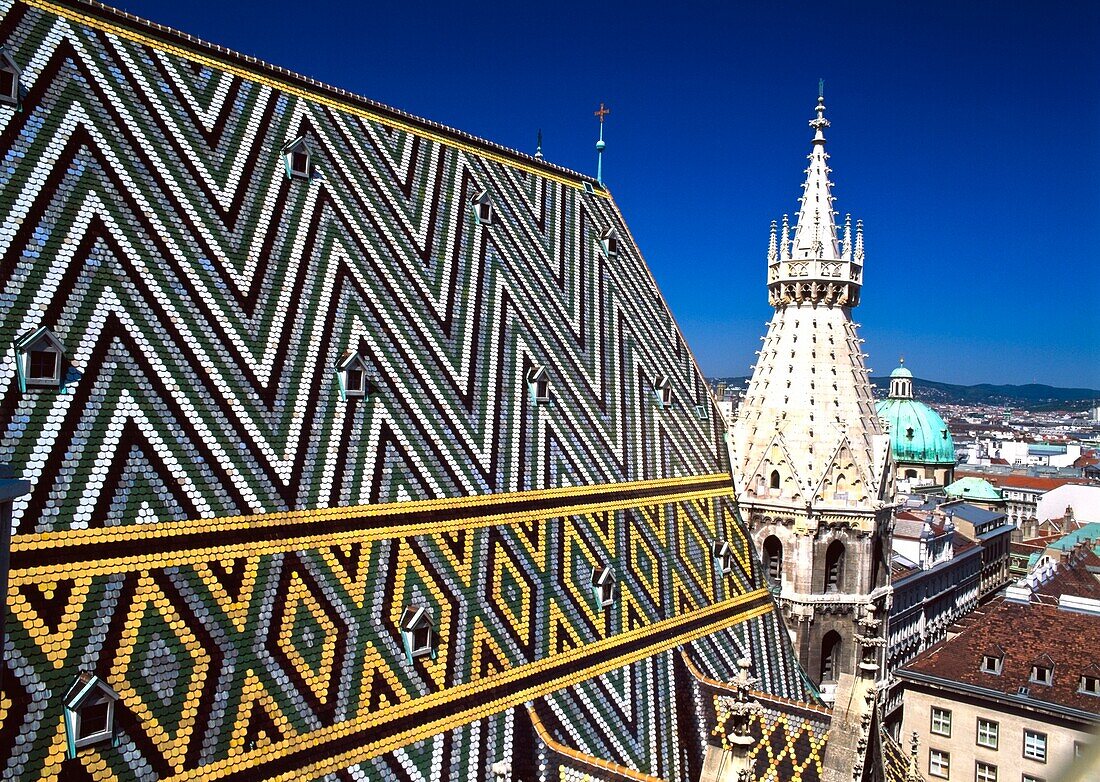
811, 461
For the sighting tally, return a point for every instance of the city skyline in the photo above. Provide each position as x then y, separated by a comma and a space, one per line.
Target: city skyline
959, 138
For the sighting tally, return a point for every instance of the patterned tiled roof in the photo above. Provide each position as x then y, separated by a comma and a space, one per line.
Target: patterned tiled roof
227, 528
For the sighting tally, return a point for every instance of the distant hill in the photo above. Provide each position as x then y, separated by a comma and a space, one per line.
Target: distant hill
1033, 396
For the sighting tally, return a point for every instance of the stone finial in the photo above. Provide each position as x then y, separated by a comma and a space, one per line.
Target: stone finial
785, 240
859, 241
846, 246
773, 247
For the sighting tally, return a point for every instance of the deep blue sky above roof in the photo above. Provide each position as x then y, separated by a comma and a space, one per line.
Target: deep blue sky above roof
963, 134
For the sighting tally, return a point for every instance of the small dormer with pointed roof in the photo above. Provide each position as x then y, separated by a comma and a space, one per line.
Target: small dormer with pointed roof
482, 206
418, 632
605, 586
351, 372
609, 242
10, 76
538, 384
89, 713
40, 359
298, 159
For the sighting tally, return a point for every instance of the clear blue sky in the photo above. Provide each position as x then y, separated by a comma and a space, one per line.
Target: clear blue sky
966, 135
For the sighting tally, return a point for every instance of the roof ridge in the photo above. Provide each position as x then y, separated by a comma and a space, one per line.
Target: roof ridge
109, 15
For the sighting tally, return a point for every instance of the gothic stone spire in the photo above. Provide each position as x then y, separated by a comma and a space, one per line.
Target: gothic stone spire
815, 267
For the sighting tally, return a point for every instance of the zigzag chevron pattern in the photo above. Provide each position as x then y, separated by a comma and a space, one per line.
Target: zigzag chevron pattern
218, 532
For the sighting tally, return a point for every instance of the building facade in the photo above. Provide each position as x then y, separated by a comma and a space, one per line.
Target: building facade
935, 575
1016, 695
811, 462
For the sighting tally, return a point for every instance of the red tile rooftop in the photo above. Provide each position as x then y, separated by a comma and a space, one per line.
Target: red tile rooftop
1025, 632
1020, 481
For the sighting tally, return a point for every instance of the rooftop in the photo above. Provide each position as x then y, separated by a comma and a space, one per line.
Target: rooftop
1022, 632
973, 488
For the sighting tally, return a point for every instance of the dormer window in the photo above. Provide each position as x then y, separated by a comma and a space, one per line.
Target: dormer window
418, 632
605, 587
1042, 671
9, 79
909, 433
991, 663
298, 159
723, 556
1090, 684
483, 208
40, 356
538, 383
351, 370
609, 243
89, 713
662, 391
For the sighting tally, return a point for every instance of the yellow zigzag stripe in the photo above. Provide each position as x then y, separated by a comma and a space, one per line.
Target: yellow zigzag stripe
514, 696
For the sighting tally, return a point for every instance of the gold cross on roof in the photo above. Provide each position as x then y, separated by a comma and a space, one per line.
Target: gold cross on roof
603, 112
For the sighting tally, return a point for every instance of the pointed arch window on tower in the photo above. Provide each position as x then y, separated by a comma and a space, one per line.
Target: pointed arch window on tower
840, 492
830, 656
834, 566
773, 558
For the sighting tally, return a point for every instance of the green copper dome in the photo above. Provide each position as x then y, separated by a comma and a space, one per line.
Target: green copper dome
973, 489
901, 372
917, 433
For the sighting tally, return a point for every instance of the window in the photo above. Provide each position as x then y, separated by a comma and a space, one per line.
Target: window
773, 558
1029, 778
909, 433
351, 371
834, 566
1035, 746
985, 772
298, 159
9, 79
1042, 674
40, 359
830, 656
609, 243
538, 383
991, 663
939, 763
775, 479
418, 632
1090, 685
941, 721
89, 713
1078, 749
662, 389
723, 555
483, 208
604, 586
988, 733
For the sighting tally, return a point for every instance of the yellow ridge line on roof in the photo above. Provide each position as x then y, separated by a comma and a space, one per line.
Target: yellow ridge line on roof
514, 697
229, 550
675, 486
312, 95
